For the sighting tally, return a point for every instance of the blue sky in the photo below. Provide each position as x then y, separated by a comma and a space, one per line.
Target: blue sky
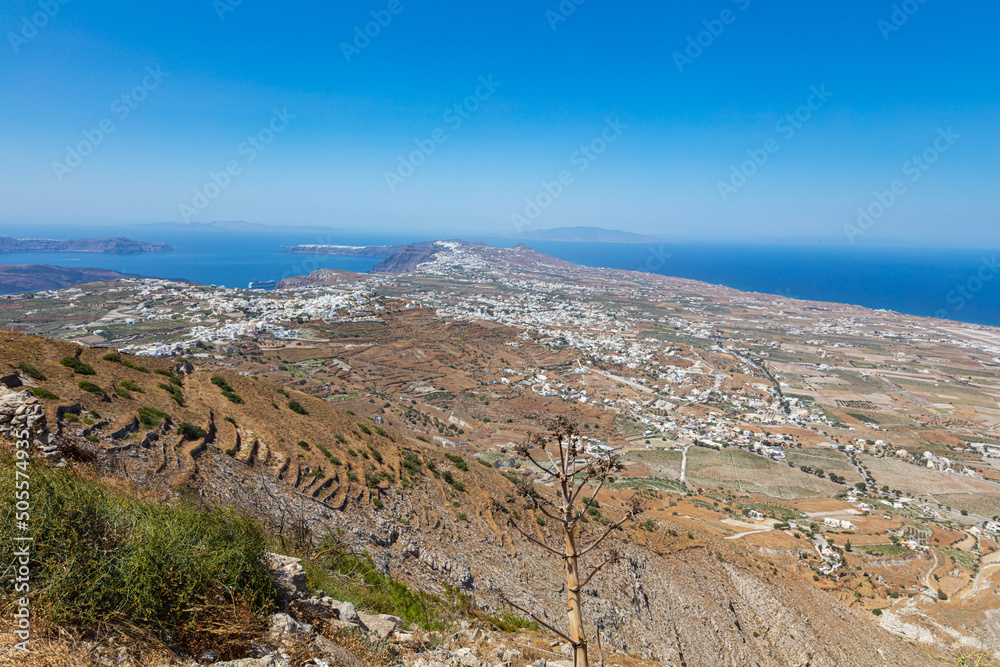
611, 115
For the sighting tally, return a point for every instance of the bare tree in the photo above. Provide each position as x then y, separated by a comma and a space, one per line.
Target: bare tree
573, 471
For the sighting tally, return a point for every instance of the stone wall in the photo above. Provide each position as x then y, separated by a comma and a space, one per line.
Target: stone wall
20, 411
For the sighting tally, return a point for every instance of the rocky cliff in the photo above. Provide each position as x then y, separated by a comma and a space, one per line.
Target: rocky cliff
32, 277
112, 245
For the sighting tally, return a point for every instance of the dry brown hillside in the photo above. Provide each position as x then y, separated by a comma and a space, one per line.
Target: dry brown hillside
684, 598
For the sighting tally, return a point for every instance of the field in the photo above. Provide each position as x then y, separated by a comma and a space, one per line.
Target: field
665, 463
736, 470
983, 504
919, 481
827, 460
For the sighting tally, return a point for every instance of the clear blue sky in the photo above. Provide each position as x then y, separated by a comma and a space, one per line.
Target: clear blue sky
678, 125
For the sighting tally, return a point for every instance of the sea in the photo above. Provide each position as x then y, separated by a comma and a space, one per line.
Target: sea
953, 284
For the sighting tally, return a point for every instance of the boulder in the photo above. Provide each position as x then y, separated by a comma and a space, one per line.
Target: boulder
284, 628
382, 625
289, 577
349, 613
317, 608
335, 655
465, 657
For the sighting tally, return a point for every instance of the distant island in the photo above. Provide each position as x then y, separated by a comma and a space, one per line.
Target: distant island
588, 234
238, 226
34, 277
118, 246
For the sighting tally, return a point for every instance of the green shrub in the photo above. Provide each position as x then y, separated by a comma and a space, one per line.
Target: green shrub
296, 407
233, 397
190, 431
304, 445
508, 622
78, 366
151, 417
112, 357
91, 387
124, 393
70, 417
131, 386
411, 463
355, 578
458, 461
462, 516
175, 392
32, 372
100, 558
160, 371
364, 429
44, 393
129, 364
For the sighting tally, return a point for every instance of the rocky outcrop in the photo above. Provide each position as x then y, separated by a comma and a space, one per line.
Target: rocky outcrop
32, 277
22, 418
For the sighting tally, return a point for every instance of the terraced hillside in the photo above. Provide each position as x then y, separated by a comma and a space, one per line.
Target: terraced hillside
425, 513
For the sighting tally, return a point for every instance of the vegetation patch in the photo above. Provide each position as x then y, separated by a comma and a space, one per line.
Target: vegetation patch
90, 387
32, 372
151, 417
77, 366
353, 577
197, 579
44, 393
190, 431
174, 391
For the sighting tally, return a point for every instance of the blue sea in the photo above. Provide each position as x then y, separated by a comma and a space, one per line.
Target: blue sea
961, 285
